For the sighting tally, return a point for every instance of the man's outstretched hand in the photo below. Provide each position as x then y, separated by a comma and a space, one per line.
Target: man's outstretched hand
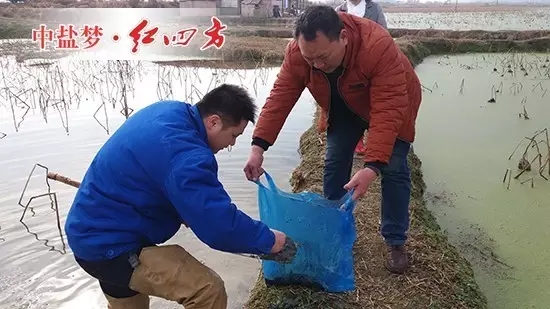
284, 250
280, 239
253, 168
360, 182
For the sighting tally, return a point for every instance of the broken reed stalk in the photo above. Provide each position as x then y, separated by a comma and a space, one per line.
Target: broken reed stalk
505, 175
524, 114
63, 179
531, 141
523, 170
532, 181
515, 149
461, 91
525, 165
526, 180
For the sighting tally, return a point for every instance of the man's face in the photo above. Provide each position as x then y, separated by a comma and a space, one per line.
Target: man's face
220, 137
322, 53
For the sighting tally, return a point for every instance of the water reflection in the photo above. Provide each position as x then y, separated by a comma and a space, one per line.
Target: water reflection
70, 108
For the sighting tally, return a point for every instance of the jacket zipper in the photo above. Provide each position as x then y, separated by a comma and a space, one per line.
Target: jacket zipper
330, 100
344, 100
342, 97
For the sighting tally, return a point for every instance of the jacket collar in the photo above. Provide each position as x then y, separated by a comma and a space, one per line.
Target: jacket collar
353, 38
197, 120
344, 6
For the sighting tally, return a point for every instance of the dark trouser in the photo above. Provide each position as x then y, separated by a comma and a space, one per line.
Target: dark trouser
342, 137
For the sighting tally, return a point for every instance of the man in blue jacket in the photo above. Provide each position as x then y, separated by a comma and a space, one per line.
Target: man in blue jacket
155, 173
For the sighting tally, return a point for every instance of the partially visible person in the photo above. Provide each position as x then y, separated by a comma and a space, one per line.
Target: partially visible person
362, 81
276, 11
364, 8
373, 11
155, 173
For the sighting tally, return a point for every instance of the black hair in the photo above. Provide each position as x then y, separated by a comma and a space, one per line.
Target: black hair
321, 18
232, 103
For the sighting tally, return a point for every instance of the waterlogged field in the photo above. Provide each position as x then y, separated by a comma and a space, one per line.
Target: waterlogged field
532, 19
477, 119
59, 115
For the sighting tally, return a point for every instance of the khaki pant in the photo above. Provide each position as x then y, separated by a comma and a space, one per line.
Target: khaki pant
172, 273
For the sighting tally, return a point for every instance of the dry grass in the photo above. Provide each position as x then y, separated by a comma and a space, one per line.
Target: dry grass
286, 32
438, 277
415, 43
240, 53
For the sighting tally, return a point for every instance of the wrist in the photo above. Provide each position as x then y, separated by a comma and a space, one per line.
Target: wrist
260, 142
374, 169
375, 166
257, 150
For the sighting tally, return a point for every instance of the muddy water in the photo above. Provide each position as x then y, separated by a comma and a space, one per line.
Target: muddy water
34, 273
464, 143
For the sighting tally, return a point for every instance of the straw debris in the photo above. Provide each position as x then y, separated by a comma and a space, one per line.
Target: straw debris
416, 44
438, 277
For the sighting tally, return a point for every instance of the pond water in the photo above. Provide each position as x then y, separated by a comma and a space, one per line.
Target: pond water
529, 19
465, 143
467, 153
33, 272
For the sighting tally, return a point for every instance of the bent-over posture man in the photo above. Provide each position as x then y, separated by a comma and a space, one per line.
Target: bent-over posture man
373, 11
155, 173
362, 81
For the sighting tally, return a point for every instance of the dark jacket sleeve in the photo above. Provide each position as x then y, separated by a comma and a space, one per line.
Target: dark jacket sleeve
203, 204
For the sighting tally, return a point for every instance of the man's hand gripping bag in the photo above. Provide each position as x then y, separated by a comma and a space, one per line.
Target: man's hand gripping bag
323, 230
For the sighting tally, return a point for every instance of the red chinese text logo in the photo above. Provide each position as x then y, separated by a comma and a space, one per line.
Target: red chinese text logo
181, 38
92, 35
214, 34
67, 36
42, 35
142, 35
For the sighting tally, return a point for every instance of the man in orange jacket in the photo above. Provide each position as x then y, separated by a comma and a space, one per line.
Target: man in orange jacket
361, 80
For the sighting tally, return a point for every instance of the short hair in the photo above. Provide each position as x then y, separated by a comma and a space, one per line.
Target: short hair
232, 103
321, 18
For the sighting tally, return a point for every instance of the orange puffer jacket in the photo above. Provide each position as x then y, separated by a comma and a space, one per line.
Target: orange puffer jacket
379, 84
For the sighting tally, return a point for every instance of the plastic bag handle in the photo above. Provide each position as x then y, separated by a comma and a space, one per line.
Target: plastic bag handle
348, 203
270, 182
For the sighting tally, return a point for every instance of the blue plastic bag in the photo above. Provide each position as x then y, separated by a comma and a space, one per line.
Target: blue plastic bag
324, 231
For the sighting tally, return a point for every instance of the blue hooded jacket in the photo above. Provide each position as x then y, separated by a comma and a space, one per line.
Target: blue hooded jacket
152, 175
